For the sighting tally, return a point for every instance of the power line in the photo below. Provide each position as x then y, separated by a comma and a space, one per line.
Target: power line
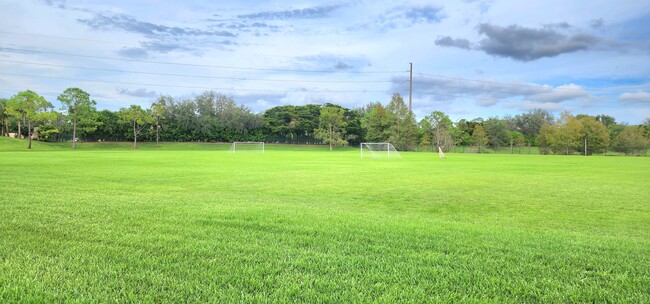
537, 86
200, 76
195, 87
199, 65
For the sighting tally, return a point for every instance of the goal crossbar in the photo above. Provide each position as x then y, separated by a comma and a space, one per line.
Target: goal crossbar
379, 150
253, 146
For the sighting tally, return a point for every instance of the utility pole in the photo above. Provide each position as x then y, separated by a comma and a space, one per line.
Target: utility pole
411, 87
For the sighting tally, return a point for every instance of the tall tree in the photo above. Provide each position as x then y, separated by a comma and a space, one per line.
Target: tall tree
546, 137
496, 131
377, 122
158, 110
137, 118
515, 138
631, 141
16, 108
403, 131
464, 128
31, 107
331, 127
531, 122
80, 110
594, 135
440, 128
4, 117
479, 137
568, 136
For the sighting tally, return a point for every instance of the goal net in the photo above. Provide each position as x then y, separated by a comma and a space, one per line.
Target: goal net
378, 150
247, 147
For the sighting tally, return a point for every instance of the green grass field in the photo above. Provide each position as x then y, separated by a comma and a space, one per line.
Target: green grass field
193, 223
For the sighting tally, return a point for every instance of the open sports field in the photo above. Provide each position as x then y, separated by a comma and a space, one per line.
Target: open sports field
193, 223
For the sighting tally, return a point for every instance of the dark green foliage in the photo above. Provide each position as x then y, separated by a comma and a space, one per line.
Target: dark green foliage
377, 122
292, 124
531, 123
80, 110
331, 127
403, 133
633, 140
496, 131
479, 137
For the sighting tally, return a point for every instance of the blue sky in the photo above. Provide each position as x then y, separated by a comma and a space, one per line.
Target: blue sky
470, 58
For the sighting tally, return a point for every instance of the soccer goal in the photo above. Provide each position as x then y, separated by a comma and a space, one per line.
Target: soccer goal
247, 147
378, 150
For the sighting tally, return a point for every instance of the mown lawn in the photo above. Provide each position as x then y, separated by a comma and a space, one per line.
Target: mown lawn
189, 223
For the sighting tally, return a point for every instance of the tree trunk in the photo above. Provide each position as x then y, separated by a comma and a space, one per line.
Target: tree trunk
18, 133
157, 133
4, 125
74, 134
331, 137
135, 135
29, 133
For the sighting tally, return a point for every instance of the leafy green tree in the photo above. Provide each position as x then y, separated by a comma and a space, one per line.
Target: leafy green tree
403, 131
425, 137
546, 137
568, 136
479, 137
496, 131
631, 141
15, 108
440, 127
108, 127
158, 111
4, 121
31, 107
292, 123
515, 138
594, 135
464, 131
331, 128
531, 123
377, 123
80, 110
354, 132
137, 118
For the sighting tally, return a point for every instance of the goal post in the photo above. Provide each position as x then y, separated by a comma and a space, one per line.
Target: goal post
247, 146
440, 153
378, 150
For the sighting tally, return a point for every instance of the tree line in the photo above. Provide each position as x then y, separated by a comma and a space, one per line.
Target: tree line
215, 117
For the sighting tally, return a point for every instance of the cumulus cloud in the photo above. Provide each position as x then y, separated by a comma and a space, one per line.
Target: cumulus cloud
488, 93
560, 94
451, 42
138, 93
527, 44
636, 97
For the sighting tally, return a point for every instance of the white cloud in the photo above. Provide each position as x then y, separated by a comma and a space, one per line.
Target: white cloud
636, 97
331, 36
